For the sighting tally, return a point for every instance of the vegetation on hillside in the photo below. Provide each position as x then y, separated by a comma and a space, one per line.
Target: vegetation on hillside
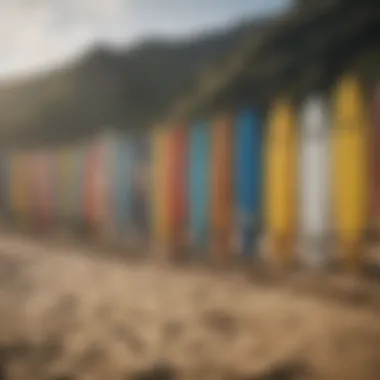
156, 82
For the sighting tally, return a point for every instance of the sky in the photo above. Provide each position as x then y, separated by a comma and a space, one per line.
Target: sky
38, 34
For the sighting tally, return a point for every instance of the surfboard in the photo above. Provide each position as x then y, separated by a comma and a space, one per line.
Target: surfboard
248, 181
221, 186
71, 177
375, 163
160, 176
199, 184
79, 193
121, 172
19, 187
350, 171
34, 187
178, 199
3, 184
65, 168
280, 182
8, 186
44, 189
140, 189
94, 185
314, 182
54, 185
105, 183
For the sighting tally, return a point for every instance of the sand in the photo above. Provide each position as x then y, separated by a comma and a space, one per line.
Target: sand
66, 313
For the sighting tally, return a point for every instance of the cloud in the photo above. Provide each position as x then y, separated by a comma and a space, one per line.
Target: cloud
35, 34
38, 33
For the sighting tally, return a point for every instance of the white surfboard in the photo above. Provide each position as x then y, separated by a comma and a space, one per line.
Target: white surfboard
314, 182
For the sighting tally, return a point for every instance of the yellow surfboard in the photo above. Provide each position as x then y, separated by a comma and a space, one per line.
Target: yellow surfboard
350, 171
280, 182
160, 193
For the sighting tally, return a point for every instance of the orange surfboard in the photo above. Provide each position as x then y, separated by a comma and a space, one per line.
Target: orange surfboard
221, 186
160, 190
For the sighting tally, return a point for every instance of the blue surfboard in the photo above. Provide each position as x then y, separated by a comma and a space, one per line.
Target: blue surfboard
199, 184
248, 180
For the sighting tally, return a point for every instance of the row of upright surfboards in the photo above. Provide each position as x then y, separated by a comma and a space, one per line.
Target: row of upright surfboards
301, 184
304, 184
